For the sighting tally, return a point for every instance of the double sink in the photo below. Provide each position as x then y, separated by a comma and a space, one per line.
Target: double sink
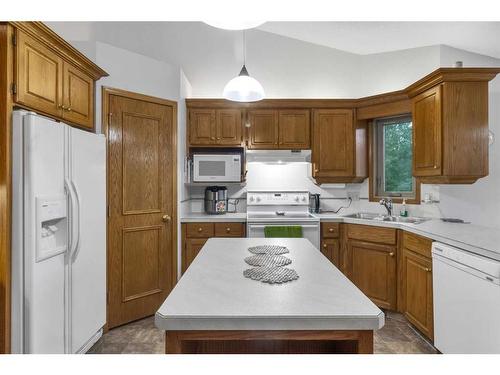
379, 217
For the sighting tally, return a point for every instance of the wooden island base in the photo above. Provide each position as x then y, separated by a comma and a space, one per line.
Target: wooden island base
269, 342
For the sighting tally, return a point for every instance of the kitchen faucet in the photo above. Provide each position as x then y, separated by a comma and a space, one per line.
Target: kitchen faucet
387, 203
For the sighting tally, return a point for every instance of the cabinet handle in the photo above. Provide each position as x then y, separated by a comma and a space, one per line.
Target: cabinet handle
428, 270
200, 229
324, 245
330, 230
391, 254
228, 230
68, 109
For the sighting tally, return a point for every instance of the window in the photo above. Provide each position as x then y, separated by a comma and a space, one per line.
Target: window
393, 157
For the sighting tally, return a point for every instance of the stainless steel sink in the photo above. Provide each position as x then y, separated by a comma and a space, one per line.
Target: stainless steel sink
401, 219
365, 215
396, 219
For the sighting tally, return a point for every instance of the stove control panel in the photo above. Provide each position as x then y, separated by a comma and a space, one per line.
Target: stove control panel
273, 198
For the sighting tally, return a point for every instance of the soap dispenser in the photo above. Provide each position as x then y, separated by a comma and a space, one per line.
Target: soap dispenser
404, 209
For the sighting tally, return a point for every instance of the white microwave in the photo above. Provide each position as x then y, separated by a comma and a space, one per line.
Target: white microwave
217, 167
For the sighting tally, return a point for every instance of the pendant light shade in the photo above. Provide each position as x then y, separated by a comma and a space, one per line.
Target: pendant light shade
234, 25
243, 88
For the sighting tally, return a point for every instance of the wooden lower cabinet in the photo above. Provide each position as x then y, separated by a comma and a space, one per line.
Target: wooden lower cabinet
191, 248
416, 285
371, 262
330, 247
374, 271
195, 235
330, 243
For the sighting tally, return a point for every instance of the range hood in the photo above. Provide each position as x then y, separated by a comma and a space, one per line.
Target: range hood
278, 156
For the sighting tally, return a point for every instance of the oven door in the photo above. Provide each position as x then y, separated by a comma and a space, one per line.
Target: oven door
310, 230
216, 168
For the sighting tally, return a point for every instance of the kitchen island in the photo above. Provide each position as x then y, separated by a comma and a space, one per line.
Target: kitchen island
215, 309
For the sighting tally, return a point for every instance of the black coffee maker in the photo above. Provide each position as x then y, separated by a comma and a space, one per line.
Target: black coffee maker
315, 203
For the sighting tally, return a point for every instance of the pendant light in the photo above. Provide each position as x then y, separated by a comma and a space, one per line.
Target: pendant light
243, 88
234, 25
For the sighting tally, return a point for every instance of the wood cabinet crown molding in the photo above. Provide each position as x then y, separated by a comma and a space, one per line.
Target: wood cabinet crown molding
436, 77
44, 34
451, 75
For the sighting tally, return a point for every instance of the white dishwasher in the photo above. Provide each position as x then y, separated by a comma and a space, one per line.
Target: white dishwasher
466, 290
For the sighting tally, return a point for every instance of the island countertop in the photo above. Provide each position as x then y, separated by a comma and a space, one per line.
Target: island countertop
213, 294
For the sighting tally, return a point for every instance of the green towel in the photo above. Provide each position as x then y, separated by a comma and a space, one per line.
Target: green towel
283, 231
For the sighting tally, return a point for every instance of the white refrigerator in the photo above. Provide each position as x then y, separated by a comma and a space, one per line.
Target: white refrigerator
58, 236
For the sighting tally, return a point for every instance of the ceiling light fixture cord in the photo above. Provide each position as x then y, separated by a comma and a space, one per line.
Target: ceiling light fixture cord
244, 49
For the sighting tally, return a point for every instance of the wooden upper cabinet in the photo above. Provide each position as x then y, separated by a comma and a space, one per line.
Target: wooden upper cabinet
450, 125
228, 128
38, 76
427, 133
211, 127
78, 97
51, 77
333, 147
202, 129
264, 130
294, 129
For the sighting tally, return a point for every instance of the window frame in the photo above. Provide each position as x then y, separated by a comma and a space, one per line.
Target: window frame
377, 164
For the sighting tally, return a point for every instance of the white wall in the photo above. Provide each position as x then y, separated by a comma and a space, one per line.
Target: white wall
287, 68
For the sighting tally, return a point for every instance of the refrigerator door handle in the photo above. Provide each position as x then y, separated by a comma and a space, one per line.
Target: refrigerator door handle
76, 249
74, 217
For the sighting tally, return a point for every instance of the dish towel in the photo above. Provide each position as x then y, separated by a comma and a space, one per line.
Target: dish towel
294, 231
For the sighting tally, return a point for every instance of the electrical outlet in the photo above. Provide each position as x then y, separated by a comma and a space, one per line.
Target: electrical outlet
354, 195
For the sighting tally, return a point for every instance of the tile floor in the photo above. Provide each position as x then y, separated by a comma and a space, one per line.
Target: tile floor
142, 337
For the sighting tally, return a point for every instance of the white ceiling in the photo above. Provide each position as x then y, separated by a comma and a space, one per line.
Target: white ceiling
376, 37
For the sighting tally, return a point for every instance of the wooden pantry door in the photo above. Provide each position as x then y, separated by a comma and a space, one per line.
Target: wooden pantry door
142, 183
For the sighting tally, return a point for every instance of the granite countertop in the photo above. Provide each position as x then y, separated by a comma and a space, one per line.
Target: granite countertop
474, 238
213, 294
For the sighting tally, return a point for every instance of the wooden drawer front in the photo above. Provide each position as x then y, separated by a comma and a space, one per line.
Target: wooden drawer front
418, 244
372, 234
199, 230
229, 230
330, 230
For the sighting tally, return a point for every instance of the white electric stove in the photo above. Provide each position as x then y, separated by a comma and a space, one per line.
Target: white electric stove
281, 208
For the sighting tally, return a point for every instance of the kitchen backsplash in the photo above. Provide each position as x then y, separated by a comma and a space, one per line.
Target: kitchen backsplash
297, 176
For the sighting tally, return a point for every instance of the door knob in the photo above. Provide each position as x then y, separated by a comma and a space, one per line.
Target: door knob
165, 218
